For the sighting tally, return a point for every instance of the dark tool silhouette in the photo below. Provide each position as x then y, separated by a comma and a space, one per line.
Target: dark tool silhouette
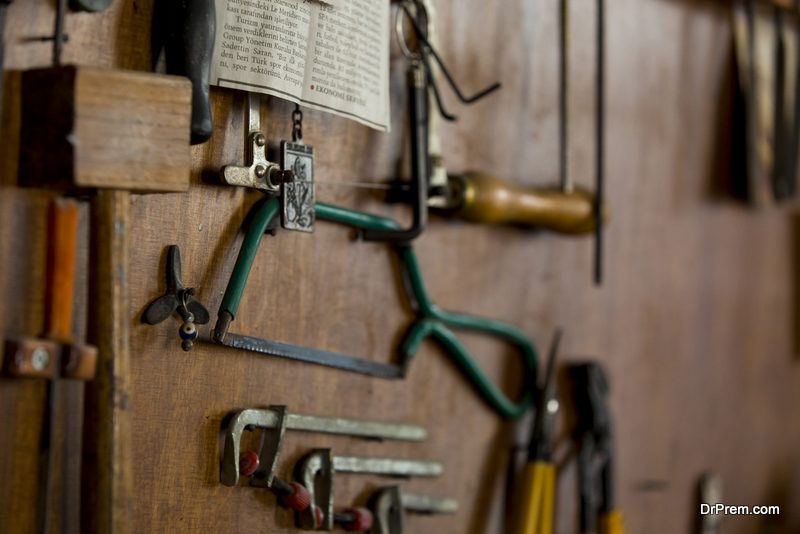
180, 299
185, 30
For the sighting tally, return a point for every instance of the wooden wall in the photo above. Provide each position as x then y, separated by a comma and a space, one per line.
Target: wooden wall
695, 321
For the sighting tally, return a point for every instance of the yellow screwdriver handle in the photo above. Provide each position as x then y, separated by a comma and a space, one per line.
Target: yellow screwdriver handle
538, 479
611, 523
487, 199
548, 498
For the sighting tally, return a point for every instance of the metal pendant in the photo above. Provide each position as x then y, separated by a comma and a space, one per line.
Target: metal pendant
297, 196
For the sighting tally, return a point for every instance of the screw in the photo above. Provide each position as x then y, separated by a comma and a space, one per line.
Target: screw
261, 171
40, 358
278, 177
260, 139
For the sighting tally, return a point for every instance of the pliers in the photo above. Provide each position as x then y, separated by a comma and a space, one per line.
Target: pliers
595, 453
537, 496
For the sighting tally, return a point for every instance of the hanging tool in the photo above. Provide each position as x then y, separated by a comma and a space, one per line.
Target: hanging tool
593, 434
389, 504
431, 320
563, 98
420, 157
428, 183
3, 8
54, 355
791, 154
482, 198
185, 30
316, 471
537, 495
273, 423
600, 138
710, 494
267, 176
786, 134
780, 178
177, 298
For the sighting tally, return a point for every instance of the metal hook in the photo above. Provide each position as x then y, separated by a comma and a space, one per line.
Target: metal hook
183, 309
401, 36
427, 47
177, 298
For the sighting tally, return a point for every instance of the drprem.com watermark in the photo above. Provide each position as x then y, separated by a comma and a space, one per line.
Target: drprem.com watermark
721, 509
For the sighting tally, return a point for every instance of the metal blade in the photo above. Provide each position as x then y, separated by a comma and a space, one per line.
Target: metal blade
387, 466
305, 354
427, 504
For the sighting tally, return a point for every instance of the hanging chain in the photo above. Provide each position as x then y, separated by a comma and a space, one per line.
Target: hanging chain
297, 124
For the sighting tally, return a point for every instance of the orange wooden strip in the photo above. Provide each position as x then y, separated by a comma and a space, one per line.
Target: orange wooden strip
61, 251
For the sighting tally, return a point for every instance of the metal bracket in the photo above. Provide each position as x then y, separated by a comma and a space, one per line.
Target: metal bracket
275, 420
260, 173
42, 358
389, 503
316, 472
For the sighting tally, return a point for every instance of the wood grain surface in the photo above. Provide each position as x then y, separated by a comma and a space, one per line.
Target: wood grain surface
105, 128
695, 321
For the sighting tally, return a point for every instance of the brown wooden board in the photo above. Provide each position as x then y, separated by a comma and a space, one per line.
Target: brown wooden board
694, 321
104, 128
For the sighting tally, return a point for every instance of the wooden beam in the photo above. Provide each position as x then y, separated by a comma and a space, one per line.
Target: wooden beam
108, 472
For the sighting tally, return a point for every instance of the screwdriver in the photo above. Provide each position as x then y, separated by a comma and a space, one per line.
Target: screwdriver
539, 477
482, 198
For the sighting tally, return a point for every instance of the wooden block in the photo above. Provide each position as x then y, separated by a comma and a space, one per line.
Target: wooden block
89, 127
79, 362
32, 358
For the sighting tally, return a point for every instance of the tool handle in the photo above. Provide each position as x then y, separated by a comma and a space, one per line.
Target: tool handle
61, 251
189, 47
536, 499
611, 523
491, 200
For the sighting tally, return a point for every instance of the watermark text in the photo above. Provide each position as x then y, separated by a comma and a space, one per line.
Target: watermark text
721, 509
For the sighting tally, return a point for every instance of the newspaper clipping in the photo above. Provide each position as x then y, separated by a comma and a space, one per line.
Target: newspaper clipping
330, 57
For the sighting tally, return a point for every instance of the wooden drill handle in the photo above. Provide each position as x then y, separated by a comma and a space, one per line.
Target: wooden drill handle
61, 251
487, 199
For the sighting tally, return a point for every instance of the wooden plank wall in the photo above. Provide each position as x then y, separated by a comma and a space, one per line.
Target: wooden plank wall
695, 321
